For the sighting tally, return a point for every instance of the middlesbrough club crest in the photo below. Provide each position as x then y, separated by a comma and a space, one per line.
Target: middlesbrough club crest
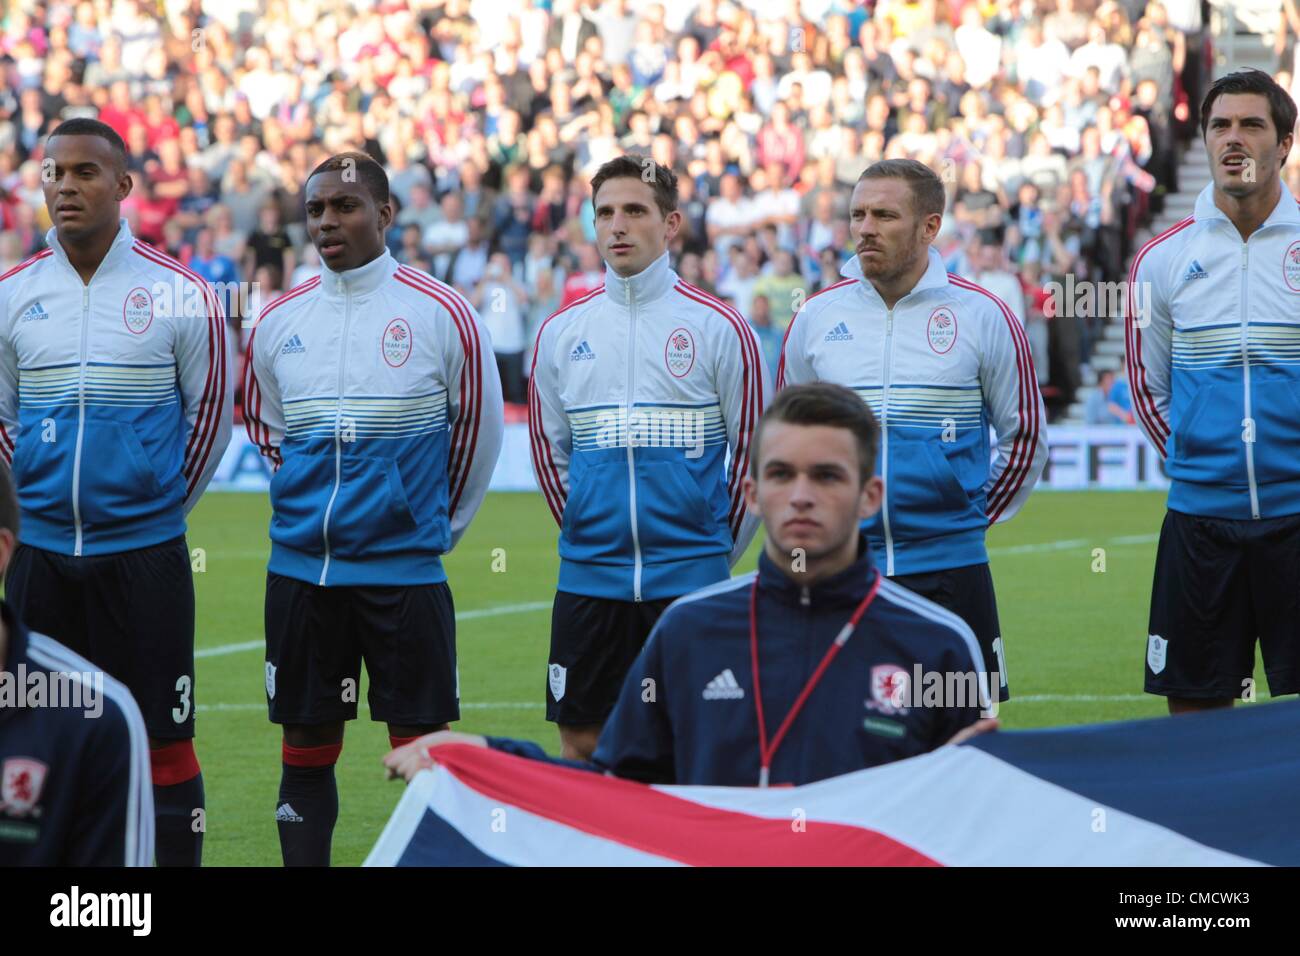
397, 342
941, 330
1291, 266
679, 353
137, 310
890, 691
21, 781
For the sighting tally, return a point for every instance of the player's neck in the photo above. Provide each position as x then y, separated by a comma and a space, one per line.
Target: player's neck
810, 572
893, 290
85, 255
1248, 213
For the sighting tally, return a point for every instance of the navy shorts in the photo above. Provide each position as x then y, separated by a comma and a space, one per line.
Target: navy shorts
1220, 584
593, 644
130, 613
968, 593
317, 638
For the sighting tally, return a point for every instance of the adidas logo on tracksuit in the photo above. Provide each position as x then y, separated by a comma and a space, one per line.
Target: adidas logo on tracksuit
34, 314
724, 687
582, 352
1194, 271
840, 333
293, 345
286, 814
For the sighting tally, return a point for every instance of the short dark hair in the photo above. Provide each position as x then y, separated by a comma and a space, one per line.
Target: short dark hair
85, 126
8, 500
823, 403
928, 196
662, 179
1280, 105
369, 173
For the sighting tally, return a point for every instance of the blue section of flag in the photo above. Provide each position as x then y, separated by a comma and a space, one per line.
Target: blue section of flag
1222, 779
437, 843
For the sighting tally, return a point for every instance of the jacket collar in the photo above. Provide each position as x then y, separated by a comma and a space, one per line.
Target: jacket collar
646, 286
848, 587
15, 649
934, 277
1285, 212
359, 281
121, 246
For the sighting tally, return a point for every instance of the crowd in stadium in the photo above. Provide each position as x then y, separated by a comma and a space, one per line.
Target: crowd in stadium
1056, 125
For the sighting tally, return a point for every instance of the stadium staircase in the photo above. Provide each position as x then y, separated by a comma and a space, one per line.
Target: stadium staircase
1240, 40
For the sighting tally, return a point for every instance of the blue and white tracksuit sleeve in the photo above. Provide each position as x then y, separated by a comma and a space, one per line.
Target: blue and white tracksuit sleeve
476, 415
206, 394
1014, 407
263, 409
744, 392
548, 427
1148, 346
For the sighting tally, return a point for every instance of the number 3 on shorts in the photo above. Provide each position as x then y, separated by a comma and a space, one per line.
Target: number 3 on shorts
183, 685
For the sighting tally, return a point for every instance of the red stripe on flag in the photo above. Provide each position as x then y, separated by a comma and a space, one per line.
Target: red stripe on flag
652, 821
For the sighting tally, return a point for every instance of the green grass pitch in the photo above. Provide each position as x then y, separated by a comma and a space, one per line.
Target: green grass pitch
1075, 638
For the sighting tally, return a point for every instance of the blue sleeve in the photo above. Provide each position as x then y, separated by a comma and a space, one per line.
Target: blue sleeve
114, 818
637, 742
532, 751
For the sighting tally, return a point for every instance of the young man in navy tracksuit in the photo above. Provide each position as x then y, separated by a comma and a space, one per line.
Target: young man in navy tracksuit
808, 668
75, 786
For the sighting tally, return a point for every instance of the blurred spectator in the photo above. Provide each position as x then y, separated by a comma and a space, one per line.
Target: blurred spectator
1109, 403
769, 337
501, 301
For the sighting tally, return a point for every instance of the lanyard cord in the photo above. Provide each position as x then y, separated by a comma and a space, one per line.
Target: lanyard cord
765, 752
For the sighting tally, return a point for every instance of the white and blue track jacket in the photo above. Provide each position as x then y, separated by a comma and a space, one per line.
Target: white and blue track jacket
115, 407
375, 395
643, 399
1213, 351
941, 367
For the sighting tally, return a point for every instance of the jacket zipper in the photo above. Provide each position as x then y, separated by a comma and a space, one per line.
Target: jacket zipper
1245, 364
631, 460
884, 444
338, 430
81, 424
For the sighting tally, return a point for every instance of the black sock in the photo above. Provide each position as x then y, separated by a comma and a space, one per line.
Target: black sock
305, 814
178, 830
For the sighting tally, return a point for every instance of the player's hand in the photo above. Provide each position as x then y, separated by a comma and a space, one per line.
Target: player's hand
409, 759
981, 726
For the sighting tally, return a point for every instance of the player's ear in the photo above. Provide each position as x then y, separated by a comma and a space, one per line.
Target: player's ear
673, 222
873, 493
385, 215
750, 487
124, 186
7, 545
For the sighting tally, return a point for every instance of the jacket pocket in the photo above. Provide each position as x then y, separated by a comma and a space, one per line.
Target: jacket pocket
118, 483
371, 513
42, 470
597, 523
925, 496
1275, 404
300, 489
1208, 444
675, 520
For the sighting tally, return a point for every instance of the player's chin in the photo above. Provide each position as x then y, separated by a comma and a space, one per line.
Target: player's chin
808, 537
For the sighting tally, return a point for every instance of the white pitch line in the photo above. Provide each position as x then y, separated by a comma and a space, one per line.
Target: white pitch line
461, 616
1072, 543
